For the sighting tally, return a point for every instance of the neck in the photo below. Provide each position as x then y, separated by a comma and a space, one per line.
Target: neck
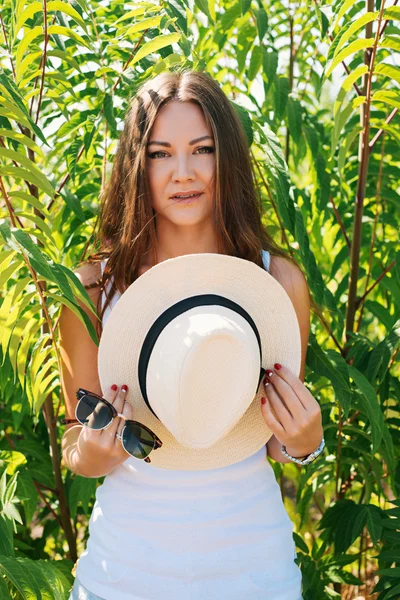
181, 241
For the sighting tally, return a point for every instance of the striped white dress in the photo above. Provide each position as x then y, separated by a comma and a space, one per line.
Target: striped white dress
158, 534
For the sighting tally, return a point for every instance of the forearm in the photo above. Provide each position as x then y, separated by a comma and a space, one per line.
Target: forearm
81, 461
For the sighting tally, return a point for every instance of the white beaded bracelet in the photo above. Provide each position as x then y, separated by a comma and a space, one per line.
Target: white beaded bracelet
309, 458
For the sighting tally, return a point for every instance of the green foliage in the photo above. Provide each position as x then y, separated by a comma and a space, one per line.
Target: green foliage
317, 92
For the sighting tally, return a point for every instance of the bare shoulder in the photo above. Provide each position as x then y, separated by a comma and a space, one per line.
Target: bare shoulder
289, 275
89, 274
292, 279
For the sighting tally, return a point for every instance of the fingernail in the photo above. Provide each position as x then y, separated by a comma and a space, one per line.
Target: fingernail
266, 382
277, 366
114, 387
263, 400
124, 388
269, 373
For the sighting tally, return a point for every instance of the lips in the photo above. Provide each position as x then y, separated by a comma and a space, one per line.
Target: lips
180, 195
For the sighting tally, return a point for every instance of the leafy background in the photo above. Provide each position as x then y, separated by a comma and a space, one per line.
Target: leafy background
317, 88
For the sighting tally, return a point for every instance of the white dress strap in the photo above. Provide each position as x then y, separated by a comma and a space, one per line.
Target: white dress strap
266, 257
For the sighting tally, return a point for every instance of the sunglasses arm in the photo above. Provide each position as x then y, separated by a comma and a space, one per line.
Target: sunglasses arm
67, 421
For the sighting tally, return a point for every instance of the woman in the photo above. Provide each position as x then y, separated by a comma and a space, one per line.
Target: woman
181, 137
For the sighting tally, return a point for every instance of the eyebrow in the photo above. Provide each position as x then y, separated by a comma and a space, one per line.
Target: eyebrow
168, 145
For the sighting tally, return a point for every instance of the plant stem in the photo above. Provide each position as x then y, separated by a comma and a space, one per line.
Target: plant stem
362, 178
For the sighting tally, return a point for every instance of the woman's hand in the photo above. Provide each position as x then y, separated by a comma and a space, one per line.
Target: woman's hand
96, 453
291, 412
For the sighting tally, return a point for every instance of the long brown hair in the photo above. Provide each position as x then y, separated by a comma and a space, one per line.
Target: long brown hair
127, 228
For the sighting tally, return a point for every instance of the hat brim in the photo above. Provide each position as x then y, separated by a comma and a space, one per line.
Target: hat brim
169, 282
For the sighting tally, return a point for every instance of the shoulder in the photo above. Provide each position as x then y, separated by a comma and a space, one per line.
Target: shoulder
89, 274
289, 275
292, 279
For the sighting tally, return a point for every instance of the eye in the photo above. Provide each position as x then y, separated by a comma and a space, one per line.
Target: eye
209, 149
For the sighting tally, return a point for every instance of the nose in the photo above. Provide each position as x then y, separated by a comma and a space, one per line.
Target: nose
183, 170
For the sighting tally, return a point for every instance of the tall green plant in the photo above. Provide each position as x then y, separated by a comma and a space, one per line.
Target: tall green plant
326, 162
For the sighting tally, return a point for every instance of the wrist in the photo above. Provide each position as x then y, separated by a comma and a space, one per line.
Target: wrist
308, 458
298, 452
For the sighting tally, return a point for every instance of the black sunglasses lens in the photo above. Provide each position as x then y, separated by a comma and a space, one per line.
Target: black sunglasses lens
93, 413
137, 440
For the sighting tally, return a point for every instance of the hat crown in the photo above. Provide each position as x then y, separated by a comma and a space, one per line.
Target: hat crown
203, 373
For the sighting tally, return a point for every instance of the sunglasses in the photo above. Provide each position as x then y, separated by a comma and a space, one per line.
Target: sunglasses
95, 412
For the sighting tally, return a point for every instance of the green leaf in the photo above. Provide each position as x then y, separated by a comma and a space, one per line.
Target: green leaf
390, 42
393, 12
6, 536
323, 21
64, 7
28, 494
262, 23
342, 11
26, 14
270, 66
245, 120
370, 405
109, 113
355, 46
281, 96
320, 362
40, 181
22, 139
141, 25
137, 12
294, 119
203, 6
255, 62
17, 238
346, 32
35, 579
388, 71
245, 40
229, 16
159, 42
389, 97
244, 6
67, 32
18, 105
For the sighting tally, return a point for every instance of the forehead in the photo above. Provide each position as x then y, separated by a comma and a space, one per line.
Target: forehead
181, 118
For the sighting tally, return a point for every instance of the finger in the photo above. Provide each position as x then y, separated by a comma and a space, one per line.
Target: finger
127, 411
285, 374
88, 432
118, 405
282, 413
271, 420
285, 391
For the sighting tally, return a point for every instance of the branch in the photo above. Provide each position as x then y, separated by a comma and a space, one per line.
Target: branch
359, 300
46, 39
43, 497
371, 249
387, 21
379, 133
342, 227
362, 178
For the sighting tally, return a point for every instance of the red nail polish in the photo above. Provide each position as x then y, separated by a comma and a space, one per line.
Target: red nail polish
263, 400
124, 388
269, 372
114, 387
277, 366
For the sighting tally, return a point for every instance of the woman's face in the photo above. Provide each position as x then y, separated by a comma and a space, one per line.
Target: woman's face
179, 162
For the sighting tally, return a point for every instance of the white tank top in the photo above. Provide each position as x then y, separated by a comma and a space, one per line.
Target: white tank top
159, 534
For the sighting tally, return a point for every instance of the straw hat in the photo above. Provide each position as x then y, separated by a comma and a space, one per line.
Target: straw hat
192, 338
